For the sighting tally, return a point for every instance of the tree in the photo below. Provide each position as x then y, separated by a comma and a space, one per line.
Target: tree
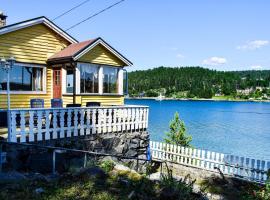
177, 134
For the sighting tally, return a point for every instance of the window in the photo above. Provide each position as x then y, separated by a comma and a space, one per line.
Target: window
23, 78
110, 80
70, 80
125, 82
89, 78
57, 77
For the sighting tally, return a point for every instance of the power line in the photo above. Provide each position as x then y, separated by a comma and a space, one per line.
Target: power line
94, 15
73, 8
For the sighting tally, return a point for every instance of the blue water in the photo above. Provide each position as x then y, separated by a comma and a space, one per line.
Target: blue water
239, 128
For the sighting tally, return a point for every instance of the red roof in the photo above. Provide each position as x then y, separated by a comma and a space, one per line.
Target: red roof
71, 50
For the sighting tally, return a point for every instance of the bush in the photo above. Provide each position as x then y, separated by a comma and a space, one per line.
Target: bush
176, 189
259, 192
107, 165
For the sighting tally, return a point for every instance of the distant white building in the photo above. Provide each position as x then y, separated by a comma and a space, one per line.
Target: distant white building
245, 91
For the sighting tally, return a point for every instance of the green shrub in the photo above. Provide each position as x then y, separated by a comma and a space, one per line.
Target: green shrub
107, 165
177, 189
257, 192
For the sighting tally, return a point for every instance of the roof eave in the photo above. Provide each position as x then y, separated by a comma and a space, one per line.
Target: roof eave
60, 60
106, 45
35, 21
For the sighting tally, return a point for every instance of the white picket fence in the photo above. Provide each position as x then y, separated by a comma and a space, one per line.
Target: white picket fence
29, 125
241, 167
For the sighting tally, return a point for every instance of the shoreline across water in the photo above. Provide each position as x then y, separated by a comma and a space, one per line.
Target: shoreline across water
223, 126
200, 99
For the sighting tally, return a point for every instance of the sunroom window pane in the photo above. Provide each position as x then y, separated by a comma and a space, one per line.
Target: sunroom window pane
70, 80
23, 78
110, 80
89, 78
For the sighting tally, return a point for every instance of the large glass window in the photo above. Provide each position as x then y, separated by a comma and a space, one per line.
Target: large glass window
89, 78
23, 78
125, 82
110, 80
70, 80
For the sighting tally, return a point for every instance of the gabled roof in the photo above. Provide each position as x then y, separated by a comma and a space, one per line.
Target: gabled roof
35, 21
71, 50
76, 51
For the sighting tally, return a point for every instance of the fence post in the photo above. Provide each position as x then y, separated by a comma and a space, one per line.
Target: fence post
0, 158
53, 171
85, 160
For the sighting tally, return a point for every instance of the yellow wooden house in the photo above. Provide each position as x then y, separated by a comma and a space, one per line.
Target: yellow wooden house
52, 64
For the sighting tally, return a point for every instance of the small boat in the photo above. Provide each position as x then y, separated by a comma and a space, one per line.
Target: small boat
160, 98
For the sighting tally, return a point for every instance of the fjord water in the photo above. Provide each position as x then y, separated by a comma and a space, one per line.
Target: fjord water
239, 128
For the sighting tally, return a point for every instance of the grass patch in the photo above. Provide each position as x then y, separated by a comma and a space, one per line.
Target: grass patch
101, 182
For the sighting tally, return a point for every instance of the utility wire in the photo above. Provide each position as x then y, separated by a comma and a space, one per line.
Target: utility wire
68, 11
94, 15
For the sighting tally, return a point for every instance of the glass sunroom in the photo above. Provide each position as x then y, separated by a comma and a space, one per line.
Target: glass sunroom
89, 71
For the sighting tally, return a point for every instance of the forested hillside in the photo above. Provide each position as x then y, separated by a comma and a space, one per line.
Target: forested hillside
195, 82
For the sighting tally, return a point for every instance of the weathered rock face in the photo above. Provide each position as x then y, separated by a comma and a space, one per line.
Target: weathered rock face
40, 159
126, 144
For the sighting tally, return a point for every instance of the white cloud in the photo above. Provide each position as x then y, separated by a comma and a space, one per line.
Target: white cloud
214, 61
180, 55
253, 45
256, 67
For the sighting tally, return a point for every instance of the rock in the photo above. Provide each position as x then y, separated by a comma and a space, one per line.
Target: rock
168, 194
131, 153
134, 145
37, 177
121, 168
11, 176
92, 172
131, 195
108, 158
123, 181
154, 176
119, 149
196, 188
39, 190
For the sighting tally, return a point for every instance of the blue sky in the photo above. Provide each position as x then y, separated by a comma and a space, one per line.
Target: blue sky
218, 34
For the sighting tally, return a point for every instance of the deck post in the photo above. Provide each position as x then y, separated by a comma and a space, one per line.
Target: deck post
7, 66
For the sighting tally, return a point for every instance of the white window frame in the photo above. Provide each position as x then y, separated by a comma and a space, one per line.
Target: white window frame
118, 80
44, 80
100, 80
78, 79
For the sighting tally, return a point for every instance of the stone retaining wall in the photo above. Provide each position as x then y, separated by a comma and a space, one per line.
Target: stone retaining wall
39, 159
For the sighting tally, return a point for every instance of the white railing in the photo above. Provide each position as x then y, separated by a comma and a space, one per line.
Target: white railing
240, 167
30, 125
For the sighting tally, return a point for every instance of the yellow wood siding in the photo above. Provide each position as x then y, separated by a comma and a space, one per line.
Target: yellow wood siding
67, 100
104, 100
100, 55
23, 100
33, 44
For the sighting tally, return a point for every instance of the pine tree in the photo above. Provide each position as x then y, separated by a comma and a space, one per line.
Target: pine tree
177, 134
